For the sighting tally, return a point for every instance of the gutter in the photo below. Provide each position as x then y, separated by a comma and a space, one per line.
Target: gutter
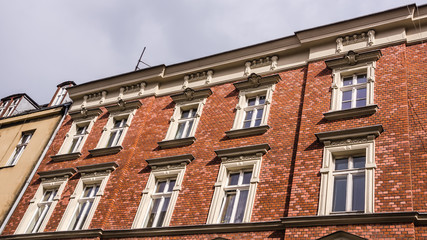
30, 177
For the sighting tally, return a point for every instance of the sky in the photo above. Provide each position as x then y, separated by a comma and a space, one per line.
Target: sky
46, 42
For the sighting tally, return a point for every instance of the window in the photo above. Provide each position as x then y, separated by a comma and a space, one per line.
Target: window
161, 191
43, 208
11, 107
87, 194
85, 204
353, 85
255, 96
186, 117
235, 188
160, 202
3, 107
44, 201
347, 173
349, 184
116, 132
19, 149
236, 196
62, 92
76, 137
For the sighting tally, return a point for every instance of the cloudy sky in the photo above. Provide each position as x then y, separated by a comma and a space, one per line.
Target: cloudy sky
46, 42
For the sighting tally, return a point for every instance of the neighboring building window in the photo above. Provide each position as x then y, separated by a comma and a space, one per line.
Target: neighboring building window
236, 196
347, 173
87, 194
19, 149
3, 107
60, 96
44, 201
236, 185
160, 202
84, 206
161, 191
11, 107
253, 108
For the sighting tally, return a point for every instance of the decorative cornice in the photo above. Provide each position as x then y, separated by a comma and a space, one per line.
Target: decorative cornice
243, 151
105, 151
180, 142
65, 157
205, 75
254, 80
58, 173
369, 37
374, 130
99, 167
245, 132
352, 112
353, 58
180, 160
84, 113
123, 105
189, 94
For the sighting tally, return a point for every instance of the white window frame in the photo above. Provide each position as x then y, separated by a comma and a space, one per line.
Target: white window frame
60, 96
49, 184
14, 158
242, 106
109, 127
234, 164
157, 174
69, 138
12, 107
3, 106
346, 149
337, 84
95, 178
176, 117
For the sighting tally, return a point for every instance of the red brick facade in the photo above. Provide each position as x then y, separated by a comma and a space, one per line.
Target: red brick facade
289, 184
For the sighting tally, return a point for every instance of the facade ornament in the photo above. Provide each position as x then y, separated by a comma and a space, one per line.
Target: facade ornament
185, 84
371, 37
84, 103
189, 94
254, 79
339, 45
142, 86
248, 68
351, 58
274, 62
209, 77
103, 96
120, 97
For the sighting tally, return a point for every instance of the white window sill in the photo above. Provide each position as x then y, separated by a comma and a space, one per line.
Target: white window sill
65, 157
352, 112
245, 132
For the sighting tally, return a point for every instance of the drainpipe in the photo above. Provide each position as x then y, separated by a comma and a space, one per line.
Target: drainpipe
18, 199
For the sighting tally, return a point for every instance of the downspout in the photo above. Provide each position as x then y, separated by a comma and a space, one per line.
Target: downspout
30, 177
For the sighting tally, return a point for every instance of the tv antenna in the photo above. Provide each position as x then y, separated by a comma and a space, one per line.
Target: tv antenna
139, 61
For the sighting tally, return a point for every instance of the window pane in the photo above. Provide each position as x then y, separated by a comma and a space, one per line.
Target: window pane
161, 186
340, 190
359, 162
249, 115
193, 112
361, 78
180, 130
190, 125
346, 105
358, 192
171, 185
234, 179
259, 113
341, 163
87, 191
251, 101
261, 100
247, 177
241, 206
73, 145
346, 95
153, 212
81, 130
247, 124
163, 212
111, 140
361, 93
348, 81
185, 114
228, 207
361, 103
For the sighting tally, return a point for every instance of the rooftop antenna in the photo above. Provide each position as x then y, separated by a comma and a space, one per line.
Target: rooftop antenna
139, 61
